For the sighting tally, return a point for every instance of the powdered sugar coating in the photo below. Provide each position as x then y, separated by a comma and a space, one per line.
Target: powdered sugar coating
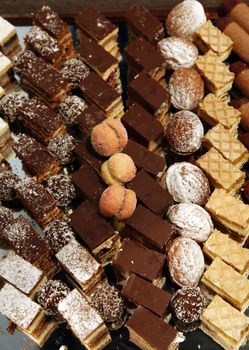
8, 180
6, 216
191, 221
17, 306
19, 272
58, 233
178, 52
62, 189
10, 104
186, 88
62, 147
185, 18
187, 183
185, 262
184, 132
71, 108
75, 70
81, 317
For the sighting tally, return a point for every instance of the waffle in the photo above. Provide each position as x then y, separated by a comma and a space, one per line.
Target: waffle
221, 245
220, 171
222, 279
213, 111
225, 324
231, 212
227, 144
216, 74
210, 37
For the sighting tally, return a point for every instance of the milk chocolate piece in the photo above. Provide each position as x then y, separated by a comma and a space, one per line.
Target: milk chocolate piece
144, 159
150, 193
85, 153
89, 118
149, 228
36, 158
143, 56
142, 127
43, 122
133, 257
142, 22
88, 183
141, 292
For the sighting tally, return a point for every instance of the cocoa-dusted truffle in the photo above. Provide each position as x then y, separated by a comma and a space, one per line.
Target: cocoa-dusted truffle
185, 18
109, 137
178, 52
75, 70
62, 147
50, 294
118, 201
110, 305
186, 88
187, 305
71, 108
10, 104
8, 180
6, 217
185, 262
187, 183
119, 168
58, 233
184, 132
62, 189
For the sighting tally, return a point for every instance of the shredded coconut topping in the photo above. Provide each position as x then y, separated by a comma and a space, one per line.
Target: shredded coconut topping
71, 108
62, 189
58, 233
6, 216
8, 180
62, 147
75, 70
10, 104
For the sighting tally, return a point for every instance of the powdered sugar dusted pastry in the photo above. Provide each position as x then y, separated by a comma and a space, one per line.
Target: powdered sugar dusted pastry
185, 18
186, 88
191, 221
185, 262
187, 183
184, 132
178, 52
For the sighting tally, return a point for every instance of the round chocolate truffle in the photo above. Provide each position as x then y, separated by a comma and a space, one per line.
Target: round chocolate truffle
185, 18
62, 189
118, 201
6, 216
191, 221
110, 305
184, 132
178, 52
71, 108
8, 180
187, 183
75, 70
187, 305
50, 294
10, 104
186, 88
62, 147
109, 137
58, 233
185, 262
119, 168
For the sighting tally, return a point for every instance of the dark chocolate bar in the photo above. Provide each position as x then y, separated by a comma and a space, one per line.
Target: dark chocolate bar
150, 193
85, 153
89, 118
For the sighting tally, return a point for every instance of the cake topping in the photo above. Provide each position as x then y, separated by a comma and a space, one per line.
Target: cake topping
62, 189
8, 180
58, 233
71, 108
10, 104
62, 147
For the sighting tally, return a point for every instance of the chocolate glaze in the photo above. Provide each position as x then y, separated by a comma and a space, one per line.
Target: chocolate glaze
150, 193
90, 226
89, 118
85, 153
152, 329
238, 67
151, 228
141, 292
96, 56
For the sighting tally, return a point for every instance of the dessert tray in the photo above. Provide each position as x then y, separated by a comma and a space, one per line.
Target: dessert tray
124, 192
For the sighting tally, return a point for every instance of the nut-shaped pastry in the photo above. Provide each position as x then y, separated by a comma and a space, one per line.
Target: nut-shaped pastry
119, 168
184, 132
109, 137
185, 262
186, 88
191, 221
187, 183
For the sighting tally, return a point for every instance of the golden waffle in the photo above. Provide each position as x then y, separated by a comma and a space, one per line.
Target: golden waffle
222, 279
221, 245
213, 111
225, 324
227, 144
215, 73
210, 37
230, 212
220, 171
